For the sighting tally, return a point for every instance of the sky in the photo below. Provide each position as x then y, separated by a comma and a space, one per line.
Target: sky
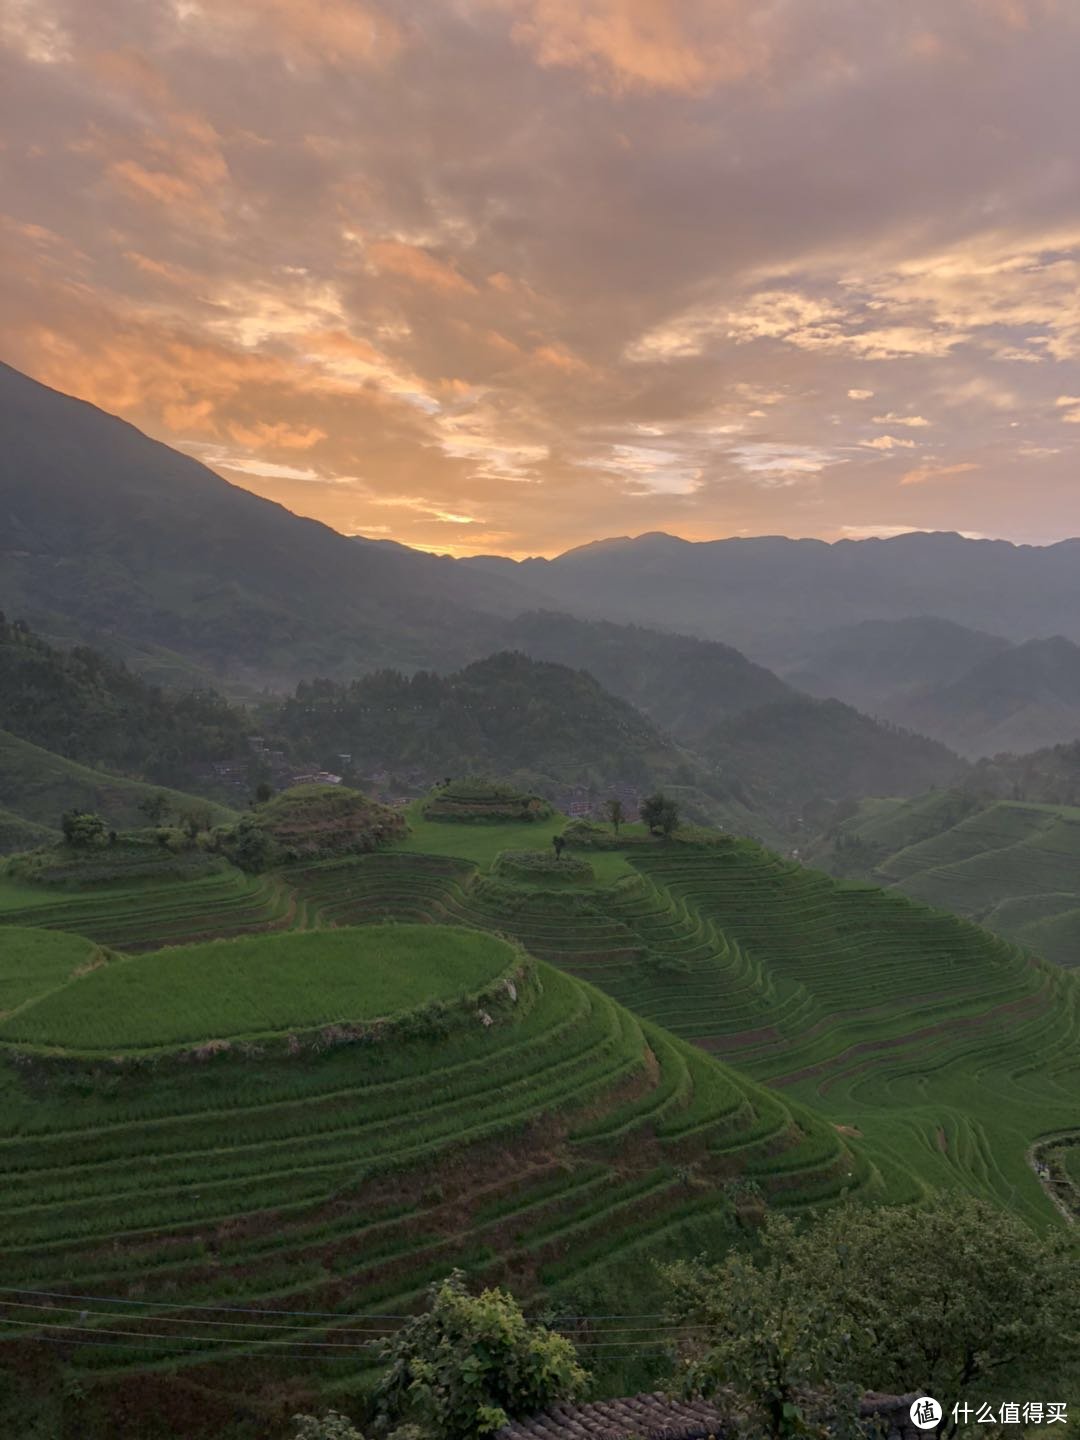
512, 275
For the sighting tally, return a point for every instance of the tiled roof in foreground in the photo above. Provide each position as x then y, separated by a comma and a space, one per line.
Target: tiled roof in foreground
660, 1417
652, 1417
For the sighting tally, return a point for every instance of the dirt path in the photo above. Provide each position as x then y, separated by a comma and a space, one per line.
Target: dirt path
1032, 1158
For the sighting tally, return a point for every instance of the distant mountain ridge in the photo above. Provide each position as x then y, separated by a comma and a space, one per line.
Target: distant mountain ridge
768, 594
978, 693
684, 684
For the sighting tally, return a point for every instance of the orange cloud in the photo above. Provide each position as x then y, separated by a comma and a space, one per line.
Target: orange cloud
419, 266
559, 358
925, 473
339, 33
282, 435
677, 45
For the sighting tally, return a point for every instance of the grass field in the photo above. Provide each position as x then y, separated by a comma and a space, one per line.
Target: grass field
876, 1010
256, 987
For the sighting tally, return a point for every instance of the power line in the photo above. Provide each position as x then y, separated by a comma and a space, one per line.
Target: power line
663, 1317
241, 1347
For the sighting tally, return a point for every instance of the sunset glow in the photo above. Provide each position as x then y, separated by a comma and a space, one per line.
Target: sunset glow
509, 275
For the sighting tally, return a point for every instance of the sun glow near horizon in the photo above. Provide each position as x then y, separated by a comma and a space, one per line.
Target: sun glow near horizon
515, 277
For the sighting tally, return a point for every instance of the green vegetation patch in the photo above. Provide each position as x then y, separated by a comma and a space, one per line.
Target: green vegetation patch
40, 786
34, 962
310, 822
262, 985
129, 858
541, 865
488, 801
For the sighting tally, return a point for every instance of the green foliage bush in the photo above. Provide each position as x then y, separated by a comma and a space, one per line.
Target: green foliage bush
951, 1297
309, 822
473, 1363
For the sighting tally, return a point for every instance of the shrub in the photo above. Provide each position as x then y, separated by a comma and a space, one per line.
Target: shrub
472, 1363
83, 830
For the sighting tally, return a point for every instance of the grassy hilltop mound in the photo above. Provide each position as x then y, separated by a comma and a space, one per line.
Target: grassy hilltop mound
257, 989
486, 801
321, 821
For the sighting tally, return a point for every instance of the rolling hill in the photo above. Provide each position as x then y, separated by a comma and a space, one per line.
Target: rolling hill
324, 1121
89, 708
1026, 697
38, 786
1013, 866
385, 1135
684, 684
110, 536
796, 760
878, 665
543, 725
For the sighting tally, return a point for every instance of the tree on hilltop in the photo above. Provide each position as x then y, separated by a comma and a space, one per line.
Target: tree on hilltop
660, 814
82, 829
156, 806
615, 813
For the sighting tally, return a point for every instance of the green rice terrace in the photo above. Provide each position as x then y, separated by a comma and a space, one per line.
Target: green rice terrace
290, 1101
1013, 866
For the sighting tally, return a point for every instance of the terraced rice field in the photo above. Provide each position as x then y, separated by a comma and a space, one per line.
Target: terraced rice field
1014, 867
948, 1048
317, 1193
308, 1193
145, 917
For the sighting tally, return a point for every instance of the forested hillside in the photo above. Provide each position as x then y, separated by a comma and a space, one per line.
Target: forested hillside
87, 707
800, 758
542, 724
686, 685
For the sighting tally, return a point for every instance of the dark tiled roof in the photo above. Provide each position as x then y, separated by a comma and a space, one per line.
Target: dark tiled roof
659, 1417
650, 1417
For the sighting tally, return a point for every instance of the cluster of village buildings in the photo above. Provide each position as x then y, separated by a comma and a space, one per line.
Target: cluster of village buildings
396, 788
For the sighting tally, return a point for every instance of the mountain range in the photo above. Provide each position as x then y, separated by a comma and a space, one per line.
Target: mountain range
770, 595
115, 539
